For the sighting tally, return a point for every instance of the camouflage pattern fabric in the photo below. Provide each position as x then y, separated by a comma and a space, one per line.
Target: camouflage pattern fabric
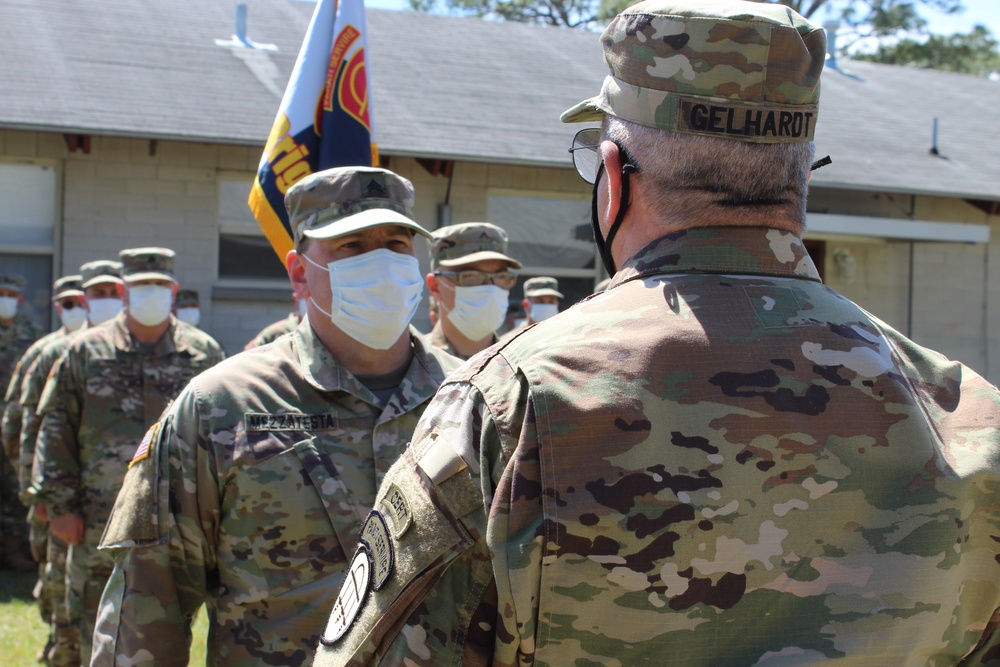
10, 426
437, 338
249, 499
748, 71
63, 645
717, 461
101, 396
272, 331
16, 553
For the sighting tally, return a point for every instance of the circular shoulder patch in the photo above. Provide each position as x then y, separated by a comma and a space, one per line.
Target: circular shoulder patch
375, 536
351, 597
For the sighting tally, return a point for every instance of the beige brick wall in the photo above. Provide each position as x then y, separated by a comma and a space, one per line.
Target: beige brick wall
131, 192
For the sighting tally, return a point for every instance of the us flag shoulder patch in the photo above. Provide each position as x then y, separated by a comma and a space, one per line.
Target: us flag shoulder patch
147, 440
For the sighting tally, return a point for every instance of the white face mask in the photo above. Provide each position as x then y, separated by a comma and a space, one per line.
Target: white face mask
543, 311
190, 315
478, 310
102, 310
73, 318
150, 304
8, 307
375, 295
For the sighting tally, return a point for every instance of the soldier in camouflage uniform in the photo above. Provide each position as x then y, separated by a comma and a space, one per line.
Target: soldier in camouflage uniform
279, 328
248, 493
718, 460
17, 334
99, 283
67, 296
470, 282
112, 382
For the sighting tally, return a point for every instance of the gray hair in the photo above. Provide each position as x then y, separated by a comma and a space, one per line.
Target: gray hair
702, 181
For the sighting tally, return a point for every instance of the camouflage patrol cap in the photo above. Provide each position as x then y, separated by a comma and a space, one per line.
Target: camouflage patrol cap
67, 286
12, 281
345, 200
542, 286
722, 68
147, 264
458, 245
101, 271
186, 298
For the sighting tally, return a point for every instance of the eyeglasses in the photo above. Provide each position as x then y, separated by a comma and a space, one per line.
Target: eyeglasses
473, 278
586, 157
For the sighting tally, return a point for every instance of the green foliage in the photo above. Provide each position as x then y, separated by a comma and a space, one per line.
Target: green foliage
975, 53
23, 634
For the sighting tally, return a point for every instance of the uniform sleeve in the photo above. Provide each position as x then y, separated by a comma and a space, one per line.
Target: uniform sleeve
57, 453
452, 605
10, 424
162, 534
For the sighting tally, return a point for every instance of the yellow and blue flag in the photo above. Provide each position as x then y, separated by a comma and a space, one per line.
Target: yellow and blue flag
325, 117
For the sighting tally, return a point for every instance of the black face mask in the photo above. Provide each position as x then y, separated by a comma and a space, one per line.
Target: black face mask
604, 244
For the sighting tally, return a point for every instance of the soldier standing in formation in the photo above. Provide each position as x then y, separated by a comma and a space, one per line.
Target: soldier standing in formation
100, 280
17, 334
248, 493
281, 327
718, 460
470, 280
103, 392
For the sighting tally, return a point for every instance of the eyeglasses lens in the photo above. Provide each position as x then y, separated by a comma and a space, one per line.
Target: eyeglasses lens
585, 154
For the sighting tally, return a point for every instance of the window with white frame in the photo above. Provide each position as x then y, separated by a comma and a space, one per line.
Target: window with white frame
245, 255
550, 234
29, 193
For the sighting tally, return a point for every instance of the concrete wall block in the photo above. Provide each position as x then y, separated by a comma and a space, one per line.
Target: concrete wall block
173, 153
195, 174
124, 171
237, 158
471, 173
21, 144
52, 146
144, 151
524, 178
201, 189
186, 202
113, 149
204, 155
501, 176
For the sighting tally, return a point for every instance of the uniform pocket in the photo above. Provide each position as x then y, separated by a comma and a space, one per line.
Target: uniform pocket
283, 527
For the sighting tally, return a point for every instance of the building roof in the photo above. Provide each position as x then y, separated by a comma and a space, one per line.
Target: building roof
443, 87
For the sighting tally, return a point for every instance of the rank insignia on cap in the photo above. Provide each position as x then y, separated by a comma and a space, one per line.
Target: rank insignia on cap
147, 440
351, 597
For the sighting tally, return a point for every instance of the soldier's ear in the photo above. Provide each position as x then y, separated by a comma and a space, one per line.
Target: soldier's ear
120, 290
432, 283
297, 274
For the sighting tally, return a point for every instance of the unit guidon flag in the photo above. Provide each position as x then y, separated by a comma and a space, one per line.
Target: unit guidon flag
325, 117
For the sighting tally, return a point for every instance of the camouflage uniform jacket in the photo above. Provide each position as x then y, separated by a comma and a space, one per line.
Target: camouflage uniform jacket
437, 338
249, 499
272, 331
10, 428
719, 461
101, 396
14, 342
31, 393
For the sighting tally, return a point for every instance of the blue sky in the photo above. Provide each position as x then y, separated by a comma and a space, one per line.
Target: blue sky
986, 12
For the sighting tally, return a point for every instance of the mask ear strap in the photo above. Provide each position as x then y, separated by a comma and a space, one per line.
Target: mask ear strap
604, 244
314, 262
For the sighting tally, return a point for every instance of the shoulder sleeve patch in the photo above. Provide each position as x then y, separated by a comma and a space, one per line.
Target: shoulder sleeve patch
144, 447
352, 597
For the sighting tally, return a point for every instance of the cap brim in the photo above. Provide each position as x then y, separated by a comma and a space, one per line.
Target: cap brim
66, 293
479, 257
586, 111
375, 217
148, 275
102, 279
544, 292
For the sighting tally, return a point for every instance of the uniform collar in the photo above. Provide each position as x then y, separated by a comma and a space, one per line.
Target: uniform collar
722, 250
423, 376
167, 345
